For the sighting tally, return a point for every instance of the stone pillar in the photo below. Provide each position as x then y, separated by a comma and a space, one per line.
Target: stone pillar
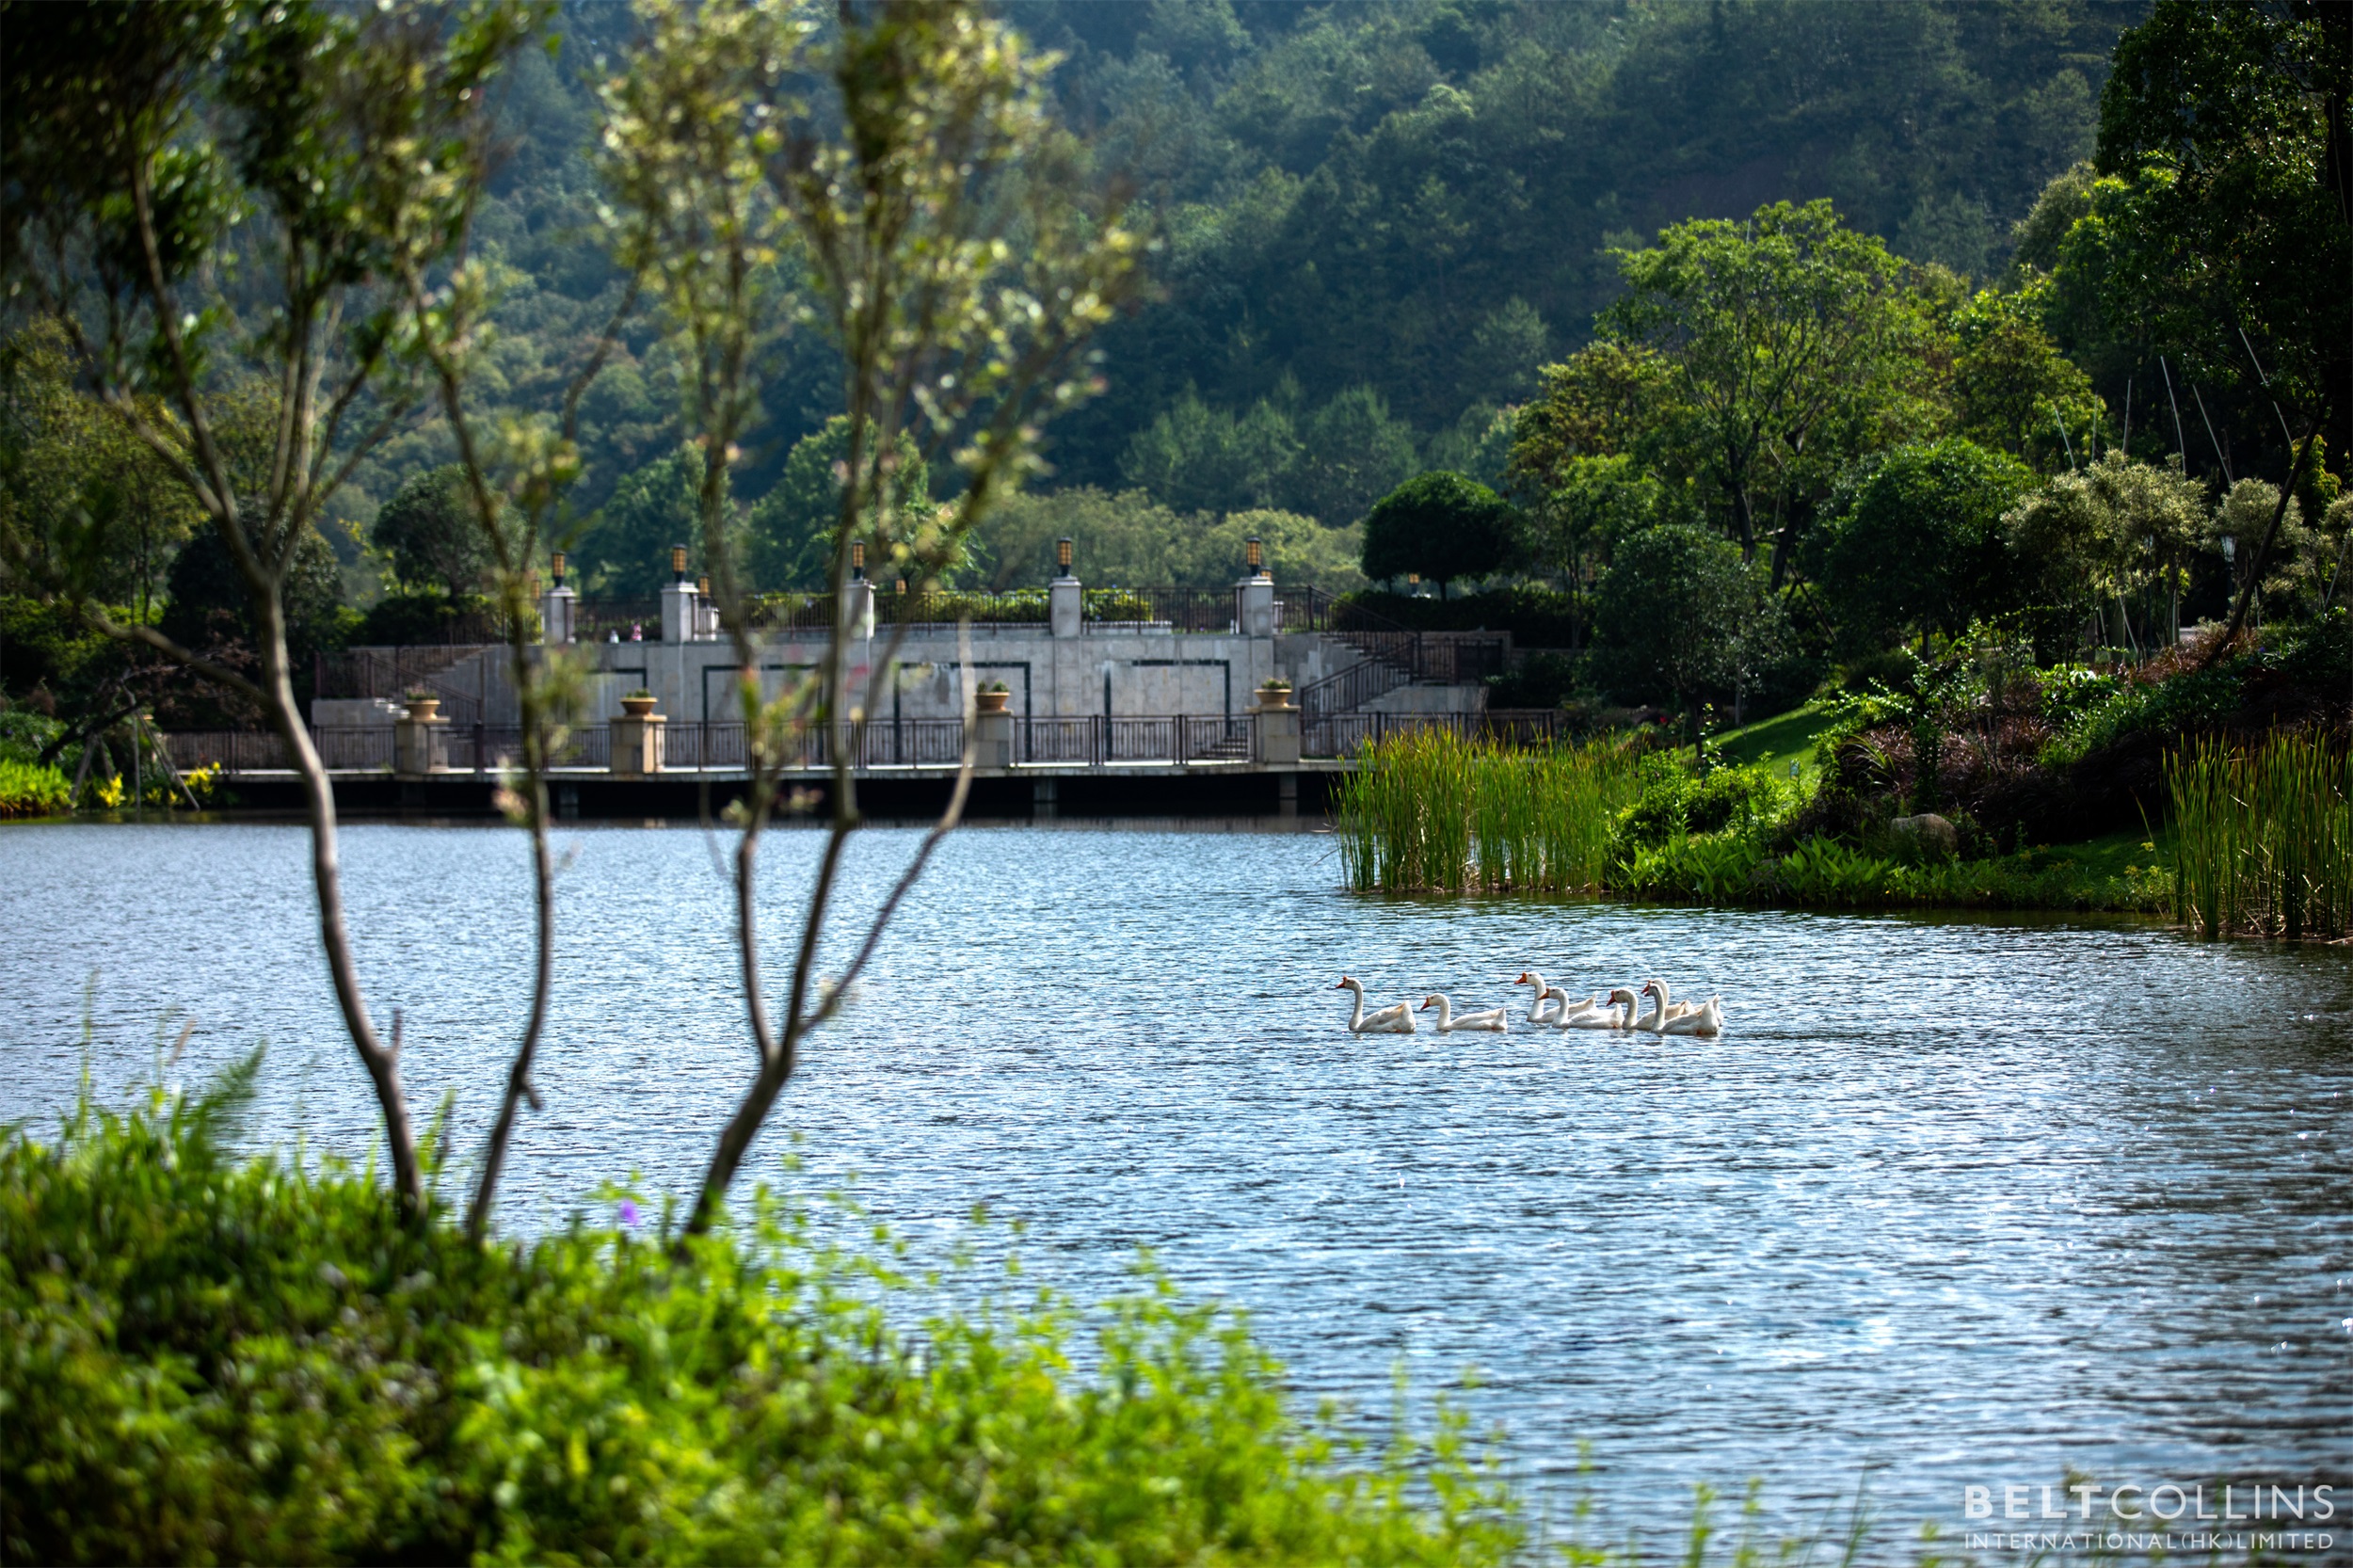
992, 740
1256, 596
637, 744
555, 615
678, 612
1278, 719
858, 608
418, 747
1064, 607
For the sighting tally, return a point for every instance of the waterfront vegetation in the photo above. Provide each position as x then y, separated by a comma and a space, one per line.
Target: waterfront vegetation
207, 1358
2263, 837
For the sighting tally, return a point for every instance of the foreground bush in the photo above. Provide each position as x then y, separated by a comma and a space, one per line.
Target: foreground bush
209, 1358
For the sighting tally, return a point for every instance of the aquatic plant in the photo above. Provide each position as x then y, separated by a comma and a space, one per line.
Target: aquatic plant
1430, 812
2263, 837
30, 788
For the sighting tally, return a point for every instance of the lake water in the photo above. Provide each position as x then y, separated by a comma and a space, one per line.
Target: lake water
1954, 1203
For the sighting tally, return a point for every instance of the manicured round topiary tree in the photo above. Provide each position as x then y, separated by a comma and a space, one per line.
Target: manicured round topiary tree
1442, 526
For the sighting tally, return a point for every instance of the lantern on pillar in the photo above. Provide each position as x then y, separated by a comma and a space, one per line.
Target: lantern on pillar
1253, 557
678, 562
558, 564
857, 558
1062, 556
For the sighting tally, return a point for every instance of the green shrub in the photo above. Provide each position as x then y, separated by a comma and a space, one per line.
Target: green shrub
1674, 801
207, 1358
29, 790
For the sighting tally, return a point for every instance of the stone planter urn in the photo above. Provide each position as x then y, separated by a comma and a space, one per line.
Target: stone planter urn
636, 736
418, 748
1277, 722
992, 702
1274, 698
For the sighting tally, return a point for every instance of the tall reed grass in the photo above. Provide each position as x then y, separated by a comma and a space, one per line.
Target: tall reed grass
2263, 837
1429, 812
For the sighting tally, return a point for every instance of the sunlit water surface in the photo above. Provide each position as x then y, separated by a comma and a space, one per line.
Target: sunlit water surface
1951, 1203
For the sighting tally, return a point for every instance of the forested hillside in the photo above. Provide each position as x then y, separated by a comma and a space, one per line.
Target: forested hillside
1377, 222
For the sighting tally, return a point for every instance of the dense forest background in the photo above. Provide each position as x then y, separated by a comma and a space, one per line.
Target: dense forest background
1377, 222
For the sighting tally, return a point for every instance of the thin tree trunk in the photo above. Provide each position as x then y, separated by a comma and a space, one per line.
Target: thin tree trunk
519, 1086
2262, 550
382, 1061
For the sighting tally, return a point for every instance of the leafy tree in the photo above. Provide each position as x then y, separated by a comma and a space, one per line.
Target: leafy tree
2090, 540
789, 540
336, 154
1131, 540
1912, 540
1792, 343
2226, 139
626, 548
1442, 526
431, 531
81, 500
209, 612
1355, 452
1197, 458
1681, 615
2013, 390
951, 260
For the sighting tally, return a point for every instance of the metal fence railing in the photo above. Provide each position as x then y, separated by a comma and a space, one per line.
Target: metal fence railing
1089, 741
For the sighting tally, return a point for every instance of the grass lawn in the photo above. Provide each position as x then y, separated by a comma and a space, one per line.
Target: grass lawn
1783, 739
2110, 856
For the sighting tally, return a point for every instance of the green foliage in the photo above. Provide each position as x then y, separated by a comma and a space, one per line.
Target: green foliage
1429, 810
30, 788
1792, 344
1680, 613
1445, 527
2224, 130
211, 610
85, 507
2263, 837
1331, 464
1912, 539
1130, 539
789, 536
2013, 390
626, 549
204, 1358
1674, 802
2089, 537
430, 530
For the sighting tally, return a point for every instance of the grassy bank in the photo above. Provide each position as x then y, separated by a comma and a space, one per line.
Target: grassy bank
1430, 812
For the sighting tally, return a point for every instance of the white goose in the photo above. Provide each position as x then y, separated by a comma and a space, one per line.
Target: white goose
1396, 1019
1706, 1019
1491, 1021
1593, 1013
1537, 1012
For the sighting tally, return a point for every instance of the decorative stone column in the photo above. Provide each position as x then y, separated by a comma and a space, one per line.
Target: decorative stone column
1065, 601
1256, 597
418, 745
857, 609
636, 739
556, 619
1278, 719
678, 612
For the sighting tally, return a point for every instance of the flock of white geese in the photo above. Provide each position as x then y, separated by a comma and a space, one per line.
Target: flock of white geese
1619, 1008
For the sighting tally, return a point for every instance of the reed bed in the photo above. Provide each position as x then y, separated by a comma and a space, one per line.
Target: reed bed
2263, 837
1429, 812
